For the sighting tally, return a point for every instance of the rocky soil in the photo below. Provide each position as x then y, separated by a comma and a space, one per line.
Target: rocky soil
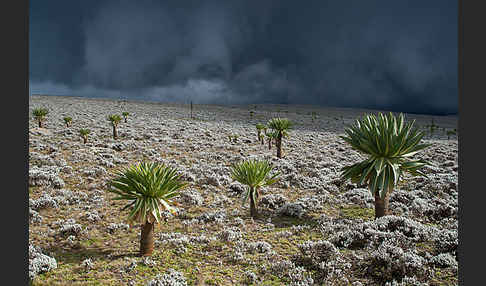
313, 228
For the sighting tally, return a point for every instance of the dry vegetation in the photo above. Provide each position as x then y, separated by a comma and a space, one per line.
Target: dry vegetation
313, 229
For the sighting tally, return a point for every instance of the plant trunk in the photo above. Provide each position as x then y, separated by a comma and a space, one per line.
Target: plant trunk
85, 140
258, 135
253, 205
269, 144
381, 204
147, 239
279, 146
40, 123
125, 120
115, 134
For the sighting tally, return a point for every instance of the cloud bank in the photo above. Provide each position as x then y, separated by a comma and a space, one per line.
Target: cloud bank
393, 55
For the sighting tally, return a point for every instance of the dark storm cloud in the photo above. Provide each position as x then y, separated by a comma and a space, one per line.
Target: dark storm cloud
398, 55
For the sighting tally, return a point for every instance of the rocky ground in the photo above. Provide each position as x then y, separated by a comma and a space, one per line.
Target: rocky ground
313, 229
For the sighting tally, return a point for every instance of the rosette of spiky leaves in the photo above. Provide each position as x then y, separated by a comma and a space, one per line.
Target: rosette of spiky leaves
67, 120
272, 134
84, 132
114, 119
149, 187
254, 174
388, 142
281, 125
39, 113
125, 114
260, 126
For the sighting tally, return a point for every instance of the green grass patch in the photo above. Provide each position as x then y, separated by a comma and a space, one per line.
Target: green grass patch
355, 212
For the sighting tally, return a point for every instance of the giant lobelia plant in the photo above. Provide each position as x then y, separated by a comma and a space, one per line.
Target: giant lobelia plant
254, 174
149, 188
389, 143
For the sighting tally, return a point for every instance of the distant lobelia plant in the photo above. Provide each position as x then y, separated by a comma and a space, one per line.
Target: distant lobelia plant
254, 174
115, 120
68, 120
388, 142
125, 115
84, 133
149, 188
280, 126
262, 138
271, 136
259, 128
40, 115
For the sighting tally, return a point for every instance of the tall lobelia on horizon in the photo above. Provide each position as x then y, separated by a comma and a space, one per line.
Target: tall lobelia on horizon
388, 142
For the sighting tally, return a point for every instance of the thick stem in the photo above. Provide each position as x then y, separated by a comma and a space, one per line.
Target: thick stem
147, 239
381, 204
269, 144
40, 123
85, 139
279, 146
115, 134
253, 204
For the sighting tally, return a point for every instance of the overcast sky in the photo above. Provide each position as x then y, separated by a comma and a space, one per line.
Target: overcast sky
392, 55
